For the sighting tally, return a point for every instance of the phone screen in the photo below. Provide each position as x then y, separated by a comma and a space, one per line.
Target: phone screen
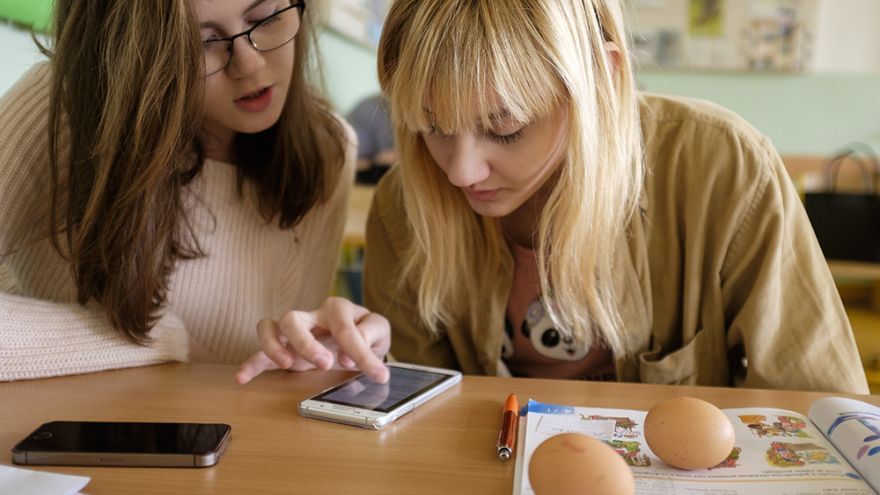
148, 438
404, 384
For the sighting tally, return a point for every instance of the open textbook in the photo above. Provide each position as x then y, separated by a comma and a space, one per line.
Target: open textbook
834, 450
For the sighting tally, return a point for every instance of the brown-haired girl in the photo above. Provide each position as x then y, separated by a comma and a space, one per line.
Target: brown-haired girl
169, 179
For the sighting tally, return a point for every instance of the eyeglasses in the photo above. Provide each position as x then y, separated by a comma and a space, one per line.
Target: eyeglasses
268, 34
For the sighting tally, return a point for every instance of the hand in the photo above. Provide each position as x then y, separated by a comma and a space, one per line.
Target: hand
340, 334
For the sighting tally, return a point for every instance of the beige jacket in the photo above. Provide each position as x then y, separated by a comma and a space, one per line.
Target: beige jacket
721, 277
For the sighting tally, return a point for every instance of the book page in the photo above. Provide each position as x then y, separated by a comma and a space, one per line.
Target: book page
854, 428
777, 452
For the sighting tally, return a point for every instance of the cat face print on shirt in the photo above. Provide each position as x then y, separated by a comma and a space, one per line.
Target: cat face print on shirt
545, 338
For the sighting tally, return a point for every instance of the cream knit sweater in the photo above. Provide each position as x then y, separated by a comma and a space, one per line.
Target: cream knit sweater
252, 269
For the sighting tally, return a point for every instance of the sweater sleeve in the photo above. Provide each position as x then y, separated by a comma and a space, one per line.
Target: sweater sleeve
43, 331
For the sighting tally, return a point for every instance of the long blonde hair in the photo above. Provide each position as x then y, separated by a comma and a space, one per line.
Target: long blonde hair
530, 58
125, 113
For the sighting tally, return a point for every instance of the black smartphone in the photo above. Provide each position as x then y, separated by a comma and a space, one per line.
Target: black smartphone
85, 443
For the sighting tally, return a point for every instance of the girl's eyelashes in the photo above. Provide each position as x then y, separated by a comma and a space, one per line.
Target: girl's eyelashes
432, 130
505, 138
505, 130
508, 138
210, 35
268, 20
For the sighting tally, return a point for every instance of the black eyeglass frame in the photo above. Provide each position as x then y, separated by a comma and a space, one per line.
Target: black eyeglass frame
230, 40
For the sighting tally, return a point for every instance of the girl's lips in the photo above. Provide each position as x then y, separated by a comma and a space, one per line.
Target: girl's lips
255, 102
483, 195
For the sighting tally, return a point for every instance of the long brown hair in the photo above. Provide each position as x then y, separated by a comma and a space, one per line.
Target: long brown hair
125, 113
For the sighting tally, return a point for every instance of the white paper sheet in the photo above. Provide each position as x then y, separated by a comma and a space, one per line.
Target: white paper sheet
16, 481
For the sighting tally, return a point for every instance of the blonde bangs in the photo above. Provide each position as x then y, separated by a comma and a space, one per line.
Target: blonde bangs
466, 68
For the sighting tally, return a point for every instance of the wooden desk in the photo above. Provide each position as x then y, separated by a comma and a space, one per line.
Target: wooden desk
447, 446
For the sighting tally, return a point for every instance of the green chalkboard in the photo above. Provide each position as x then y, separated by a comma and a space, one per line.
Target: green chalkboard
36, 14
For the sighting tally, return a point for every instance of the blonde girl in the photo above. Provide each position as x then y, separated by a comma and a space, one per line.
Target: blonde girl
548, 220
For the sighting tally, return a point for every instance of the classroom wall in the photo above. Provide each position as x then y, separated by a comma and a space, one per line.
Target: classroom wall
19, 54
349, 70
803, 114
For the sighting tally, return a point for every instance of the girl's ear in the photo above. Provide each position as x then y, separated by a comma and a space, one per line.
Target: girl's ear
615, 55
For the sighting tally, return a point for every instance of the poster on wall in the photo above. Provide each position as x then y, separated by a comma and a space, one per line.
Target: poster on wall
358, 20
777, 37
706, 18
741, 35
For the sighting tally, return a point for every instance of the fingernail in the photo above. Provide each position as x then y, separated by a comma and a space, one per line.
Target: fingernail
323, 361
381, 374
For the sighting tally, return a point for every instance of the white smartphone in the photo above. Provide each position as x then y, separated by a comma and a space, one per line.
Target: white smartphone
360, 402
86, 443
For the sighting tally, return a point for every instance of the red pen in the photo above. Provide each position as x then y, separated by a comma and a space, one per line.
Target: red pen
507, 436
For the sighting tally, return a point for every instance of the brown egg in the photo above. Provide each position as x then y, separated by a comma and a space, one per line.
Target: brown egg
575, 464
689, 433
